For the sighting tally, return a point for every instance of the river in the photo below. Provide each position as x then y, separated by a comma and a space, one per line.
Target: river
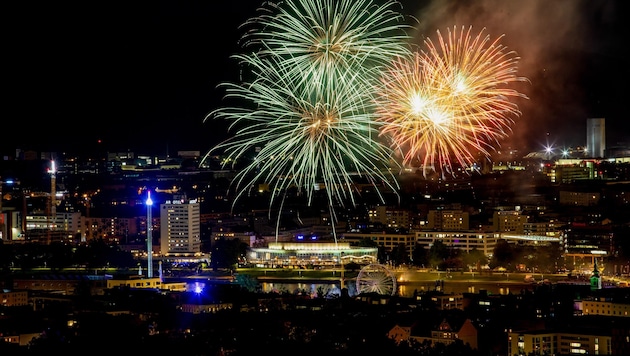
406, 283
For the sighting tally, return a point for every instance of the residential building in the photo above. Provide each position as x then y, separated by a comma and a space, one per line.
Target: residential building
574, 198
509, 221
603, 306
444, 301
447, 332
390, 217
448, 220
116, 227
13, 298
551, 342
66, 224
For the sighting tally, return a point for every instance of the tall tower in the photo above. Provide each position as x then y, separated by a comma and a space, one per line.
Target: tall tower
52, 213
53, 191
149, 204
596, 137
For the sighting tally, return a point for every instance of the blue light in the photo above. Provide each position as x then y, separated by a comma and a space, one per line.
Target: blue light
198, 288
149, 201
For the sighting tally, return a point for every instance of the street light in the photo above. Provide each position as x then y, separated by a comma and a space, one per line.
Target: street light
149, 203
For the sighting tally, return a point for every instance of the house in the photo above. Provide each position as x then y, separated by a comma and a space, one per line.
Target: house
448, 331
400, 333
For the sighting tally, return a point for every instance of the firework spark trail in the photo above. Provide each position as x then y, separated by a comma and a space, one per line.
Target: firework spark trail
445, 104
308, 134
321, 41
308, 72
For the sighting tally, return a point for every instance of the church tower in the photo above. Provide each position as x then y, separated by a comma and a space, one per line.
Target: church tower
596, 280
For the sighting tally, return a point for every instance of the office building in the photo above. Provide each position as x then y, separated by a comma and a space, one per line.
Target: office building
463, 240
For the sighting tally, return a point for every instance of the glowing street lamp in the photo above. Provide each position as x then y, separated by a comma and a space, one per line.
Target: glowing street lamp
149, 203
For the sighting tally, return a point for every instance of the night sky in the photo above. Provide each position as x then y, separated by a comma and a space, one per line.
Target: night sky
141, 76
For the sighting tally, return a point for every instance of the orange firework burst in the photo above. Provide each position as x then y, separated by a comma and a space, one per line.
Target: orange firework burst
446, 104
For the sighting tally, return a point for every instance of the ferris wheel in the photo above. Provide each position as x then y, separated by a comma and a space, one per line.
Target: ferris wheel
376, 278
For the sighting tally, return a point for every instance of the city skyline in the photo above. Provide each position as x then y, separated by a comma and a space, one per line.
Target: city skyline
143, 77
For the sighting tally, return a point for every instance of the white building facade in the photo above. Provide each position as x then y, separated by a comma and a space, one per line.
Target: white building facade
180, 228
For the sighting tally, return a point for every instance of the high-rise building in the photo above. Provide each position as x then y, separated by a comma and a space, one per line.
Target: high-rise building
180, 227
596, 137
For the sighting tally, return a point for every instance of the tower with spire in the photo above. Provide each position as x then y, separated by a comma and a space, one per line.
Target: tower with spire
596, 280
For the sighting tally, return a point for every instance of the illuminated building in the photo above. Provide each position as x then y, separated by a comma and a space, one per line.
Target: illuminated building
462, 240
588, 241
131, 282
448, 220
294, 254
180, 228
559, 343
509, 221
446, 333
604, 307
388, 240
110, 227
569, 171
390, 216
65, 224
12, 298
579, 198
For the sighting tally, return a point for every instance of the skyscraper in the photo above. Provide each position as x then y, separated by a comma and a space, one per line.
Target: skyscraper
180, 229
596, 137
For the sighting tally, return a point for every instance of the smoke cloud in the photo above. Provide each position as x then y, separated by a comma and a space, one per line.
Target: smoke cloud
567, 49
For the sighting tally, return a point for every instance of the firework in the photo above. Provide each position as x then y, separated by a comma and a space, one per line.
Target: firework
306, 113
307, 135
321, 41
442, 106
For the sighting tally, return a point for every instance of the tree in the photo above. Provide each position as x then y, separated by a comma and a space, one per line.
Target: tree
503, 254
399, 255
225, 253
438, 253
59, 255
367, 242
475, 259
419, 256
